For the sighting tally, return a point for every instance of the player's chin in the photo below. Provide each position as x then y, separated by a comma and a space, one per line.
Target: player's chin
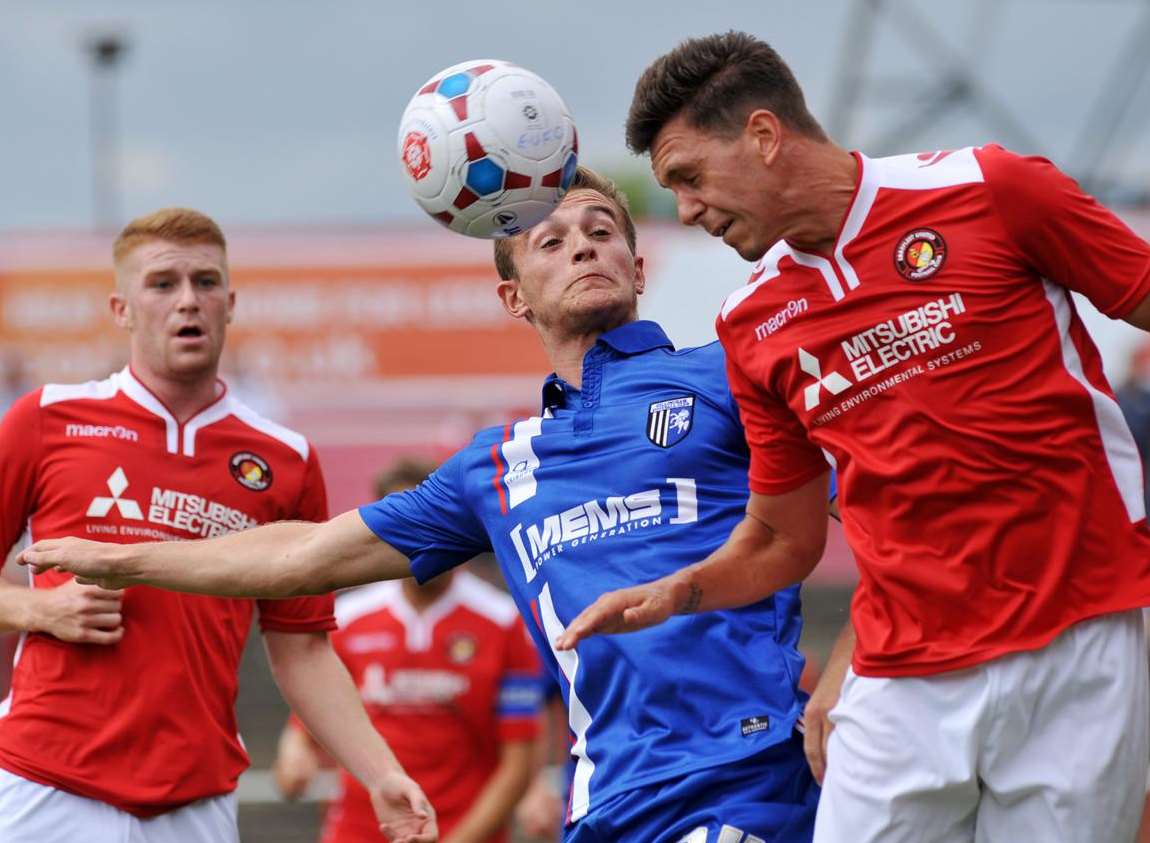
602, 296
191, 362
750, 250
600, 309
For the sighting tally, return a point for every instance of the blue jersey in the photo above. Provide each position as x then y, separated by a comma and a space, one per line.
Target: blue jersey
639, 473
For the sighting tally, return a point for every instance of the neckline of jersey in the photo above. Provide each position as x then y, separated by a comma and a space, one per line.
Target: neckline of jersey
419, 625
133, 378
181, 435
636, 337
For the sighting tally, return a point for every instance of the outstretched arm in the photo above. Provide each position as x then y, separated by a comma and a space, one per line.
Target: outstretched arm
778, 542
287, 559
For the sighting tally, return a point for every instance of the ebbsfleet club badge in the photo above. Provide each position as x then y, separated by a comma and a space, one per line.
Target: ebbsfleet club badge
920, 254
251, 471
461, 649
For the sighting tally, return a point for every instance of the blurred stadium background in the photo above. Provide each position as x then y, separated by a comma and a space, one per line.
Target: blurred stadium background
374, 332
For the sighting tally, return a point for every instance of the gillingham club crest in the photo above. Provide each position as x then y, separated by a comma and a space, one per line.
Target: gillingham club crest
669, 421
920, 254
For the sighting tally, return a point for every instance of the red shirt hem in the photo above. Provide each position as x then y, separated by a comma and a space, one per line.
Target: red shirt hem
136, 809
863, 666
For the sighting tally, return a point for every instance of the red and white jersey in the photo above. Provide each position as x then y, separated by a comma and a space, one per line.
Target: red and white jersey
990, 489
444, 686
147, 724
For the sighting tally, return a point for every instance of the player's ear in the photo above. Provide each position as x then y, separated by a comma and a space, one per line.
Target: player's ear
765, 131
640, 276
231, 305
510, 293
121, 312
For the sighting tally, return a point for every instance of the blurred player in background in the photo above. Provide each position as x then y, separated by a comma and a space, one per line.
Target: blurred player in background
450, 679
120, 724
1134, 399
910, 318
636, 465
540, 813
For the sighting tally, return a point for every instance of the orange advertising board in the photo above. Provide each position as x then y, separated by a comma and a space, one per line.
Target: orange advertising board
299, 324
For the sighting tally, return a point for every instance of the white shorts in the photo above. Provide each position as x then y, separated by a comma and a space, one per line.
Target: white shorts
1050, 745
33, 813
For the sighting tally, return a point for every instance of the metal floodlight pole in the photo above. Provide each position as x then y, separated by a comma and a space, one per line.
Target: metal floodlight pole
105, 49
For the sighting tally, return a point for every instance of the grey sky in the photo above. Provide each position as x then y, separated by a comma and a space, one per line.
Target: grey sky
264, 112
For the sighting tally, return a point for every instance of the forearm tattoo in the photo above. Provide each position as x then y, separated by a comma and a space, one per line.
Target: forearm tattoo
691, 604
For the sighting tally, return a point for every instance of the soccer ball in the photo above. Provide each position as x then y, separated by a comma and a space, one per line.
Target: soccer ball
488, 149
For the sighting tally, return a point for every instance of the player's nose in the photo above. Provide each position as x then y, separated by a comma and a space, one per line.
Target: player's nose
690, 210
583, 247
187, 299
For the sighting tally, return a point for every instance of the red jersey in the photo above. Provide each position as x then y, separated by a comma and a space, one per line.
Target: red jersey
990, 489
444, 687
147, 724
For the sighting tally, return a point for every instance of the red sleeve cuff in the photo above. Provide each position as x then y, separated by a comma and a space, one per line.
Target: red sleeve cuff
1138, 291
318, 624
780, 486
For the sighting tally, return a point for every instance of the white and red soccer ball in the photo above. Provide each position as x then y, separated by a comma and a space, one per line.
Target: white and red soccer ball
488, 148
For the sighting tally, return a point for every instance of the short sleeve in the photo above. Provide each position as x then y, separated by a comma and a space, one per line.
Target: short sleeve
782, 457
432, 524
1066, 235
20, 450
303, 614
312, 505
520, 688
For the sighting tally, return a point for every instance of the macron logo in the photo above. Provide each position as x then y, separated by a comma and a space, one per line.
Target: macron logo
834, 382
793, 309
102, 431
101, 506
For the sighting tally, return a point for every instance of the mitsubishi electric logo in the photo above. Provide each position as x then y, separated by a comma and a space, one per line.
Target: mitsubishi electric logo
834, 382
171, 514
101, 506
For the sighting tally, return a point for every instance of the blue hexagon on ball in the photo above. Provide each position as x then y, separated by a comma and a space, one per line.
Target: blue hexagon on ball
454, 85
569, 168
484, 176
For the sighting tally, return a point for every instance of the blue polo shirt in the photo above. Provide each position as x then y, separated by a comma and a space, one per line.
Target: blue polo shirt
640, 472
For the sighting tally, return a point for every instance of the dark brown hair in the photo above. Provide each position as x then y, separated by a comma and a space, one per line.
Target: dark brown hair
404, 473
585, 179
715, 82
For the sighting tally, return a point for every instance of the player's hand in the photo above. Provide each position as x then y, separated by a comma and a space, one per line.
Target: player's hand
296, 765
817, 733
628, 610
404, 814
97, 563
80, 614
825, 696
540, 811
